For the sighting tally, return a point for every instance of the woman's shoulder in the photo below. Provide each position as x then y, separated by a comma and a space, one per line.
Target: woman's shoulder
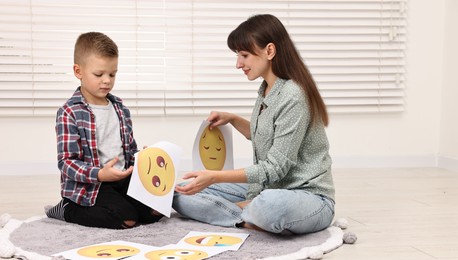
291, 87
292, 91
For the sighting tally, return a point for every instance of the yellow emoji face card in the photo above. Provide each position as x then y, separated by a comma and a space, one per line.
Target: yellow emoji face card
213, 241
156, 171
118, 249
176, 254
213, 148
181, 252
154, 176
108, 251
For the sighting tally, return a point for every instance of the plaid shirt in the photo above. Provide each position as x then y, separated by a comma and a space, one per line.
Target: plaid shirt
77, 156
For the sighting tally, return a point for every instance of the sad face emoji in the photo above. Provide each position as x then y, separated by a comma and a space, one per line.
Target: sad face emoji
212, 149
156, 171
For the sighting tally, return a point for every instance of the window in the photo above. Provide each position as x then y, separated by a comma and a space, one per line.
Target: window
174, 59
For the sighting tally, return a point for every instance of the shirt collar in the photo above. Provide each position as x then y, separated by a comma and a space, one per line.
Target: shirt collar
78, 97
270, 98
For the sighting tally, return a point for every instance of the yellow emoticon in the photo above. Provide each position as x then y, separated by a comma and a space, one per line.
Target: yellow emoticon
176, 254
212, 149
156, 171
108, 251
213, 240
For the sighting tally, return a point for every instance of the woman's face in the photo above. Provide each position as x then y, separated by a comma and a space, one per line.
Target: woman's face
254, 66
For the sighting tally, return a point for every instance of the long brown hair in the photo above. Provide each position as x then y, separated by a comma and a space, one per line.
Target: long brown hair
260, 30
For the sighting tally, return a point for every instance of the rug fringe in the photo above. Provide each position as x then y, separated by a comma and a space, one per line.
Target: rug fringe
7, 249
315, 252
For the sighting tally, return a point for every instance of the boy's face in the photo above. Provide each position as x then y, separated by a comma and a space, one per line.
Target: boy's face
97, 76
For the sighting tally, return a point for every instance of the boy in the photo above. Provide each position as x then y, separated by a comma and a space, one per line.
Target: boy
95, 145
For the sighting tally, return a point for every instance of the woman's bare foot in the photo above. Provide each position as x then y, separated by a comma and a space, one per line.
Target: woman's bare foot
251, 226
243, 204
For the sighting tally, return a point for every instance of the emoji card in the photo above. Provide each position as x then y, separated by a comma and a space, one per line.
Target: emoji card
154, 176
108, 250
177, 252
208, 240
213, 148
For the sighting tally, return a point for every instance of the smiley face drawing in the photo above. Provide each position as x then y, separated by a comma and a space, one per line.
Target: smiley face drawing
212, 149
156, 171
176, 254
108, 251
213, 240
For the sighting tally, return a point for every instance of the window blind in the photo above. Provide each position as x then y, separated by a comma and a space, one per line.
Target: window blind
174, 59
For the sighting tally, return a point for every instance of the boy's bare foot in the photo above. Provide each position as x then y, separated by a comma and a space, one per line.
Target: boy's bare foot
155, 213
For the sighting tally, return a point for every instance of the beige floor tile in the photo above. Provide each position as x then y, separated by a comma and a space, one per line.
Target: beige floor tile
395, 213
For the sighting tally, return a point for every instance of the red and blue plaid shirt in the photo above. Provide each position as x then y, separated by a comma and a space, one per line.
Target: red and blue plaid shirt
77, 156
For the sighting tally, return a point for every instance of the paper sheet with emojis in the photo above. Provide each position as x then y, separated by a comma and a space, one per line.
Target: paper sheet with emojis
212, 149
175, 252
109, 250
154, 176
209, 240
194, 246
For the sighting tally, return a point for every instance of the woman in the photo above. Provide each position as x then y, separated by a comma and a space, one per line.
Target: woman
289, 188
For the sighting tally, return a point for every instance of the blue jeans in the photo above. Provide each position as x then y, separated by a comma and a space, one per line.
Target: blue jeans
273, 210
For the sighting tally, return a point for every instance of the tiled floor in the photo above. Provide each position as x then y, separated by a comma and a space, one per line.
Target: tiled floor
407, 213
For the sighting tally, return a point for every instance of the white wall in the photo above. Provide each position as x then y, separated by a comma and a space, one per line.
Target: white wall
408, 139
448, 149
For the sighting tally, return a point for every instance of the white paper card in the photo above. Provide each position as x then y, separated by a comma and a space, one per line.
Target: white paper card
154, 176
227, 241
109, 250
213, 149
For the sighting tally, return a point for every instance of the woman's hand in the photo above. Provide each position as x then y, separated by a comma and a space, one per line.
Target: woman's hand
217, 118
202, 180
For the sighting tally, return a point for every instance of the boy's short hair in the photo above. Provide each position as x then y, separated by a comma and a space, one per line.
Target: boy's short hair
94, 43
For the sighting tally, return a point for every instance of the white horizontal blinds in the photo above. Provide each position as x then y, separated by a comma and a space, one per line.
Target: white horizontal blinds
36, 52
174, 59
217, 84
354, 49
15, 60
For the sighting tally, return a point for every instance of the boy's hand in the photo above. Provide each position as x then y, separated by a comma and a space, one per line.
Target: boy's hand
109, 173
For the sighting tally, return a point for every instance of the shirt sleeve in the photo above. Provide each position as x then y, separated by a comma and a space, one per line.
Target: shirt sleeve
70, 152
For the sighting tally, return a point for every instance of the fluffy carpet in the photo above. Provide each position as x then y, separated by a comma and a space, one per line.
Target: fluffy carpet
41, 237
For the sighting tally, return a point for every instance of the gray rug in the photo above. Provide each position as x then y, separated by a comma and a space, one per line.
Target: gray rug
49, 236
